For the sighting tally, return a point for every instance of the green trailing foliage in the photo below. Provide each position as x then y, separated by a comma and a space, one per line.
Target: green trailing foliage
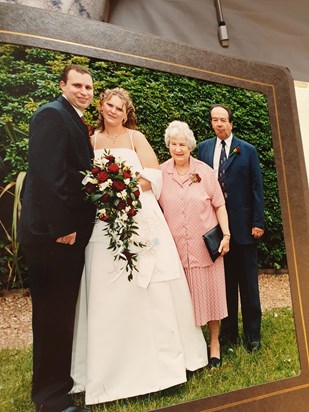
10, 252
30, 77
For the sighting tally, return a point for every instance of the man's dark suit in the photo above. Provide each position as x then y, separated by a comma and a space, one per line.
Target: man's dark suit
245, 207
53, 206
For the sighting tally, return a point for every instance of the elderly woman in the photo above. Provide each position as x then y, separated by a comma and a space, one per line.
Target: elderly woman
193, 203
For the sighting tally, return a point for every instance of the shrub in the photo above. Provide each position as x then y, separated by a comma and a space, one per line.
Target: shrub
30, 77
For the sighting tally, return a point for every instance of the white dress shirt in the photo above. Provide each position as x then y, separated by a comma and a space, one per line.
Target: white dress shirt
217, 153
79, 112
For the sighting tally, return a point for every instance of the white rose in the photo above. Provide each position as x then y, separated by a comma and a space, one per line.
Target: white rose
89, 179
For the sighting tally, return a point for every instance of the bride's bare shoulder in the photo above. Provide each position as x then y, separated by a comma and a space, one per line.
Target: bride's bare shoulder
138, 138
137, 134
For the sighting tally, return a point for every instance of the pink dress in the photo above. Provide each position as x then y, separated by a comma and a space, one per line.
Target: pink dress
189, 209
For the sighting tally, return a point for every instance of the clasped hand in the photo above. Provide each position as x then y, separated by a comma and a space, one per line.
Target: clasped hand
224, 245
257, 232
67, 239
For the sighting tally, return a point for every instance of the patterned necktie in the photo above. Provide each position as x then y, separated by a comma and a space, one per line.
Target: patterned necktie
221, 170
83, 119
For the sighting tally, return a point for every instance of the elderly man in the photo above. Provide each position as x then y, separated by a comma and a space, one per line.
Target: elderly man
237, 166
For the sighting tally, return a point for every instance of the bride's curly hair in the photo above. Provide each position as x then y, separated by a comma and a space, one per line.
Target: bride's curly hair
131, 120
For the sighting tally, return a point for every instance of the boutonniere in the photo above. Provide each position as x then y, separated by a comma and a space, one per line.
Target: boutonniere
235, 151
196, 178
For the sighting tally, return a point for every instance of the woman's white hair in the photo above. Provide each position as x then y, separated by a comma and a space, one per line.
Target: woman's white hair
179, 129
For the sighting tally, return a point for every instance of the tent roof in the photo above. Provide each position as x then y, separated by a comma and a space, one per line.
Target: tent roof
275, 31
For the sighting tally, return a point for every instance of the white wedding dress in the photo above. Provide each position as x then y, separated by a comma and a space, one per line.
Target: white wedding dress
138, 337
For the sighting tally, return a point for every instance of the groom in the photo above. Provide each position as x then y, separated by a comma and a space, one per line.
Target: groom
55, 227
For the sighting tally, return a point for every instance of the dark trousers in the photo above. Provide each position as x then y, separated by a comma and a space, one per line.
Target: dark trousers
54, 271
241, 274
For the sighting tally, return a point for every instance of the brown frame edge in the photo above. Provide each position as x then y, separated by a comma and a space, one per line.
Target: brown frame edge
53, 30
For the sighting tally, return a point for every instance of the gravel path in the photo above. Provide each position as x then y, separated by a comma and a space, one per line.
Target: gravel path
15, 309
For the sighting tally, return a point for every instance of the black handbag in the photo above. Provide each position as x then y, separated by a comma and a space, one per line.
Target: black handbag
212, 241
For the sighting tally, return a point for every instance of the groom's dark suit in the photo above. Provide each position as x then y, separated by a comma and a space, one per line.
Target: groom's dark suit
53, 206
245, 207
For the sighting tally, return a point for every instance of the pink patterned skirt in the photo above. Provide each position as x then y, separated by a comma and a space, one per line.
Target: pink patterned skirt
207, 288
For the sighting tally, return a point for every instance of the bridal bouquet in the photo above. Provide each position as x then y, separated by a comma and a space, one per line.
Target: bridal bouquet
114, 188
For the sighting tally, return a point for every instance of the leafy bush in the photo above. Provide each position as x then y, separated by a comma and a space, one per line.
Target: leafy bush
30, 78
15, 269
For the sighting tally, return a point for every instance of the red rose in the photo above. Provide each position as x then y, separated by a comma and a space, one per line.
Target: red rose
235, 151
102, 176
105, 198
136, 193
95, 171
90, 188
127, 174
196, 178
113, 168
132, 212
121, 205
119, 185
104, 218
128, 255
110, 158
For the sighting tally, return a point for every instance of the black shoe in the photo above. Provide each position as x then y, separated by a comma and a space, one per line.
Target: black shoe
215, 362
197, 372
253, 346
72, 408
227, 340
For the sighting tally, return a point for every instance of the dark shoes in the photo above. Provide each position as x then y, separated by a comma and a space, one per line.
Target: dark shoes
215, 362
226, 340
72, 408
197, 372
253, 346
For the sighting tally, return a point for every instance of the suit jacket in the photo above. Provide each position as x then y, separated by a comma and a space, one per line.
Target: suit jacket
244, 186
59, 149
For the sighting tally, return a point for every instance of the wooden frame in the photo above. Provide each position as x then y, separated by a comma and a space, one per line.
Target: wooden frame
52, 30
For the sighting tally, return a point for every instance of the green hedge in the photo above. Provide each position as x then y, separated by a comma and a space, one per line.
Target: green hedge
30, 77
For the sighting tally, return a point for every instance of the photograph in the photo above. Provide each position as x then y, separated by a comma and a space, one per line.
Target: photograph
159, 111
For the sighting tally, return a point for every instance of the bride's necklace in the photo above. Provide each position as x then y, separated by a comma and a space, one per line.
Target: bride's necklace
114, 137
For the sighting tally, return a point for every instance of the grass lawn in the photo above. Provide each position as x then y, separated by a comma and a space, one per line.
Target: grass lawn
277, 359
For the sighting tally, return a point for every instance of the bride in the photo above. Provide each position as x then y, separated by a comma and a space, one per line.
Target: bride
137, 337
